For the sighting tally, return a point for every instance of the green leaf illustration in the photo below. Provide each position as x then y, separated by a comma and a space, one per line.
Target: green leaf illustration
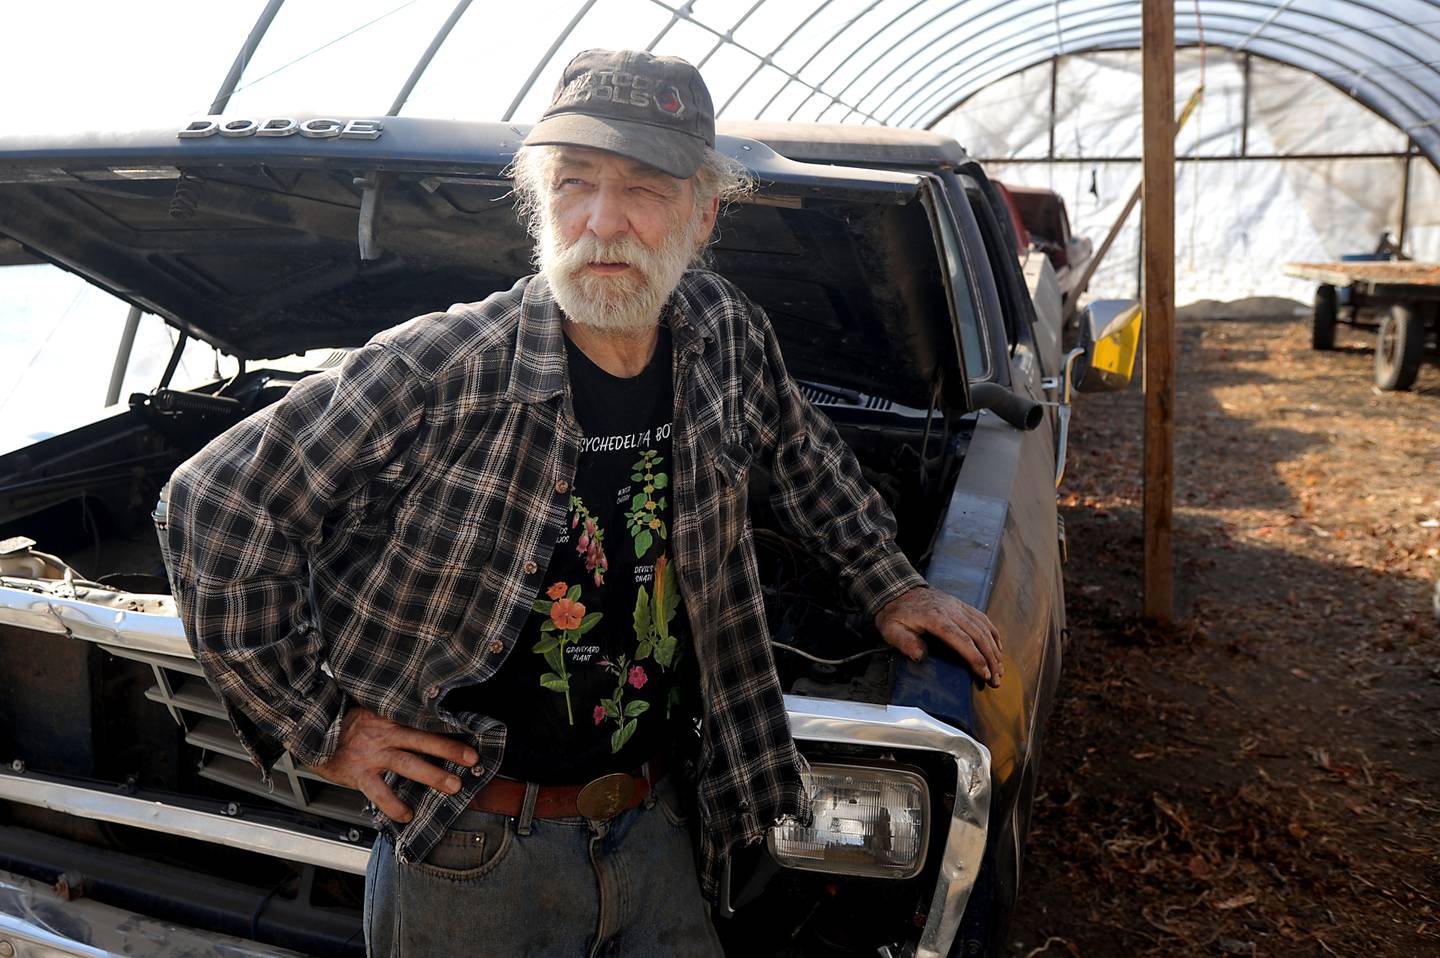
574, 594
636, 477
588, 623
611, 707
554, 682
665, 651
643, 542
642, 614
548, 626
635, 708
664, 590
542, 606
555, 658
661, 481
546, 643
637, 501
622, 735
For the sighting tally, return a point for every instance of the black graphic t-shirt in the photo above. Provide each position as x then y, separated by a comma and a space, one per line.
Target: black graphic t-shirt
591, 686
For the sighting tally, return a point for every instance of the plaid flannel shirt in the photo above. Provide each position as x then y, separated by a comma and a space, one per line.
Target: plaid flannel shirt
377, 537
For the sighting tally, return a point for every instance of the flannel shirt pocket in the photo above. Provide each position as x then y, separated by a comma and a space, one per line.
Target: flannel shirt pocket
732, 461
436, 562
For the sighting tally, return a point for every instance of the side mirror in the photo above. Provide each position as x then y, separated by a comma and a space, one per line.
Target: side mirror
1110, 336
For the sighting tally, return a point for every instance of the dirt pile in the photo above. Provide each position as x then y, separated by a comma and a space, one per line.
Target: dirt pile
1263, 778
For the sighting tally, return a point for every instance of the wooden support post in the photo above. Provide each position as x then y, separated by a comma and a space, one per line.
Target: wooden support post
1158, 221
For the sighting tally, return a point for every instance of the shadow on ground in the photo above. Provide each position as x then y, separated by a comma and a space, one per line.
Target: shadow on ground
1261, 778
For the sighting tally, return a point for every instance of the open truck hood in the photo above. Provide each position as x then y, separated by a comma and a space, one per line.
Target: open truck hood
252, 242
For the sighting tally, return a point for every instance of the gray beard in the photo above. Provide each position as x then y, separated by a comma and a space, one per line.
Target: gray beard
625, 305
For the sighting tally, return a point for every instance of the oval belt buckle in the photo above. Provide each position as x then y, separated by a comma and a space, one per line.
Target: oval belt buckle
606, 796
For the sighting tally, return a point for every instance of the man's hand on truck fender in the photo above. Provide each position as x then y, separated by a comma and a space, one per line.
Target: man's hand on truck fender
906, 619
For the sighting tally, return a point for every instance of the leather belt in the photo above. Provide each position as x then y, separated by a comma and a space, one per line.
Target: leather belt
600, 798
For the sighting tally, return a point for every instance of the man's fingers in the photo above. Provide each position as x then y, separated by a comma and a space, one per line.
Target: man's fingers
986, 638
904, 638
964, 642
962, 633
946, 630
906, 619
417, 769
428, 743
977, 628
375, 789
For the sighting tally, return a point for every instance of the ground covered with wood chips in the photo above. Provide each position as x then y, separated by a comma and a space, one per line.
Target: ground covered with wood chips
1264, 777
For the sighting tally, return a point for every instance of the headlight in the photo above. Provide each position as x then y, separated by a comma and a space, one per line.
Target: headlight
867, 821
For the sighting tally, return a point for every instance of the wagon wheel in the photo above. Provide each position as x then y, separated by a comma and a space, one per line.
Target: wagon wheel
1399, 347
1322, 328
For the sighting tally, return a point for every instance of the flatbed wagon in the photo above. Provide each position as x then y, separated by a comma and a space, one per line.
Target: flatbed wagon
1400, 299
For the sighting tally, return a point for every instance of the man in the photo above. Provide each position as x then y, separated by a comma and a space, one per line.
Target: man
496, 571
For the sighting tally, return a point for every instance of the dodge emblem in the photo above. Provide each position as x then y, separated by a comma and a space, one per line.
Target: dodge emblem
319, 128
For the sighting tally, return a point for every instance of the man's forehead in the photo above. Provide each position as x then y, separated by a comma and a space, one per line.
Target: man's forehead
579, 157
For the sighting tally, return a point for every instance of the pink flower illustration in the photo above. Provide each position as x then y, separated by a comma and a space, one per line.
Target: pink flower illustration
638, 678
599, 714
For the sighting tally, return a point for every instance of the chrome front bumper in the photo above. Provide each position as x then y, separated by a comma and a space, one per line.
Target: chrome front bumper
108, 806
35, 922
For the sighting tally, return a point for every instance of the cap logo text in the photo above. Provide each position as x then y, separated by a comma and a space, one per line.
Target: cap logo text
626, 89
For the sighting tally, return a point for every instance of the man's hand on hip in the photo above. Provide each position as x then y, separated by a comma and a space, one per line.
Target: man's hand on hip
371, 745
906, 619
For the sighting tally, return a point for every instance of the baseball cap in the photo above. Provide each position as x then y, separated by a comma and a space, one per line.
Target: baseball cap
656, 110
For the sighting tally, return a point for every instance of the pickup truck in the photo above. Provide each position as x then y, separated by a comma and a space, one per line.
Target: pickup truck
130, 821
1047, 222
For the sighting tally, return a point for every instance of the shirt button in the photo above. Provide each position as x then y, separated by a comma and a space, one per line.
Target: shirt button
530, 567
562, 487
496, 646
432, 692
477, 770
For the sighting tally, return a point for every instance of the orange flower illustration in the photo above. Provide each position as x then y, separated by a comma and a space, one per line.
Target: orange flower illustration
567, 613
557, 591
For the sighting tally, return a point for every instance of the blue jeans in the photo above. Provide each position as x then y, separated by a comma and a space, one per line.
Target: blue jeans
497, 885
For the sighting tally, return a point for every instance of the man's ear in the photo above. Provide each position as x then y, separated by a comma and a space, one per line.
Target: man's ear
706, 226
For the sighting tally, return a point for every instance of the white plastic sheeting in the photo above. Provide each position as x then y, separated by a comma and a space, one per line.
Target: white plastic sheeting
1322, 175
901, 62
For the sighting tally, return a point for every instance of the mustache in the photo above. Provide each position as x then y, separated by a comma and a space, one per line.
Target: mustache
591, 249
